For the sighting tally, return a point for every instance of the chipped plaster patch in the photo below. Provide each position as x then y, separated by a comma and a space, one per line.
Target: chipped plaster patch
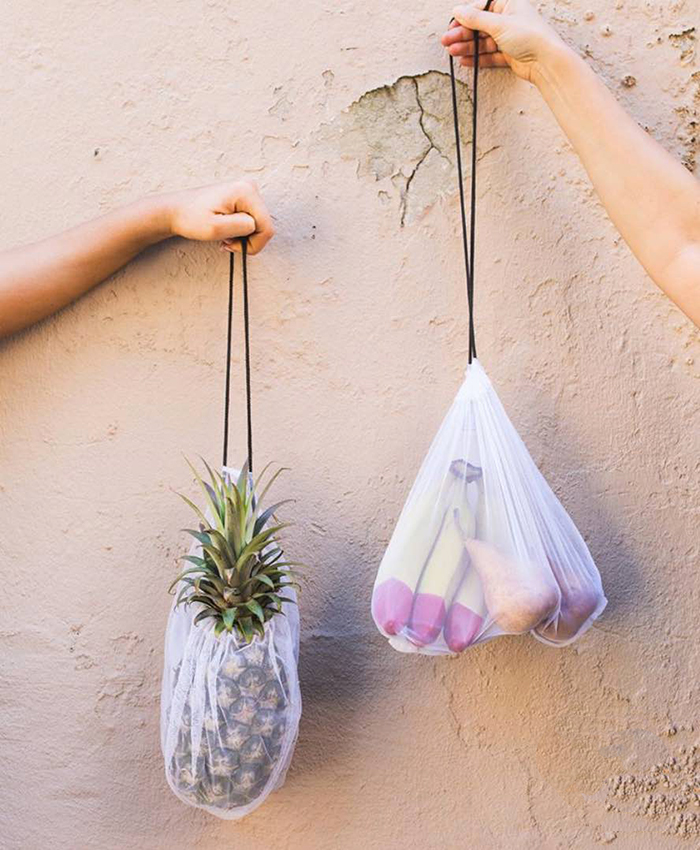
402, 135
684, 40
669, 793
689, 114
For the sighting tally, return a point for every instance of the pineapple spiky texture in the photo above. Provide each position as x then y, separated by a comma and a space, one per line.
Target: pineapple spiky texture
240, 573
245, 729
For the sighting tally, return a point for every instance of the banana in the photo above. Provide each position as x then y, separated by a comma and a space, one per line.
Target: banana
444, 570
467, 611
441, 574
416, 547
414, 538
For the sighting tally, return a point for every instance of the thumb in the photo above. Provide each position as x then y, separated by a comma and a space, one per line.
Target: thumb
475, 19
234, 225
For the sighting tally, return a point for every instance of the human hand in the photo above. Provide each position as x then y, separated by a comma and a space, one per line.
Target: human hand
511, 35
224, 211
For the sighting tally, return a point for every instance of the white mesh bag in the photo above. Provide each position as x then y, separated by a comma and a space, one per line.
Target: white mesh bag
483, 547
230, 701
229, 710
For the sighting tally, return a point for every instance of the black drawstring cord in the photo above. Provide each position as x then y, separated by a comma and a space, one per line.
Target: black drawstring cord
463, 211
229, 341
227, 391
246, 326
468, 243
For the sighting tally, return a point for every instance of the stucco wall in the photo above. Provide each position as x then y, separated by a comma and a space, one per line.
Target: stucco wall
358, 347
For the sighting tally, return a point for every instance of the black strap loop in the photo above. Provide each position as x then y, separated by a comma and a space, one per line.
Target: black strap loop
229, 340
468, 243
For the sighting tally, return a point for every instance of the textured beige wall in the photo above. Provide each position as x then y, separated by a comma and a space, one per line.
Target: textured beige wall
359, 345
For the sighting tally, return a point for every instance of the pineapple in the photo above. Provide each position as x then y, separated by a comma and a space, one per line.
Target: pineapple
235, 717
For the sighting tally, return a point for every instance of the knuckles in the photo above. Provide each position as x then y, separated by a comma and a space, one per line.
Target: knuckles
245, 189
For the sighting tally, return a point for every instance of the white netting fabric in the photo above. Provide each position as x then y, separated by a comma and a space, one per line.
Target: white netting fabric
229, 711
483, 547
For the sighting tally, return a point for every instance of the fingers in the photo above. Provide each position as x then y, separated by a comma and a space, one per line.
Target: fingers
479, 6
487, 60
458, 34
472, 18
466, 48
225, 212
233, 226
232, 246
235, 246
250, 201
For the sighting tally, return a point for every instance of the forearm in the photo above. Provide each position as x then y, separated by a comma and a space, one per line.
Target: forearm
650, 197
38, 279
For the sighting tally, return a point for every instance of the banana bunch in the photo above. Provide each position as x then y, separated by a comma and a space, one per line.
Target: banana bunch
426, 584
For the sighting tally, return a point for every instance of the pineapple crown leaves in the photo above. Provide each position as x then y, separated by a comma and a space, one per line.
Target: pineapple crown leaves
241, 574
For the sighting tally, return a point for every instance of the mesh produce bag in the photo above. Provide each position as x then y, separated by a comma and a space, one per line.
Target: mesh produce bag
231, 703
483, 547
229, 711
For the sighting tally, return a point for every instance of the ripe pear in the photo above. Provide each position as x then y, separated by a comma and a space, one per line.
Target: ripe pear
519, 593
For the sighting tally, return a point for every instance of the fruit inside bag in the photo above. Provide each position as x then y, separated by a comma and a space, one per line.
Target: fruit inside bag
230, 706
230, 714
483, 547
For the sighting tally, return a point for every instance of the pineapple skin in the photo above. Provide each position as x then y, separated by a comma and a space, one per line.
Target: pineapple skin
233, 727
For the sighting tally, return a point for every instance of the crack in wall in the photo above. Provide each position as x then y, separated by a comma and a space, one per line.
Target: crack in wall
431, 147
402, 135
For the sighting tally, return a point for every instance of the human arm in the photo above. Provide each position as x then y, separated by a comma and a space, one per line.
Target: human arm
38, 279
650, 197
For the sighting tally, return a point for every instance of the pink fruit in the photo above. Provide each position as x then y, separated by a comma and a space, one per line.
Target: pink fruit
579, 602
461, 627
427, 618
391, 605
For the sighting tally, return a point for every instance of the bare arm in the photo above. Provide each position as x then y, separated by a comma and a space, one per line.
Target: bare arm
650, 197
38, 279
